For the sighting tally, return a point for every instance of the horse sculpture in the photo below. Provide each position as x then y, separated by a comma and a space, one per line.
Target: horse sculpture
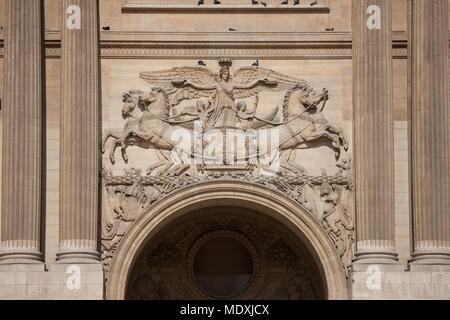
305, 126
147, 127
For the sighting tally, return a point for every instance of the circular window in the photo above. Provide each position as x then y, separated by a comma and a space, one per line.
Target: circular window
222, 265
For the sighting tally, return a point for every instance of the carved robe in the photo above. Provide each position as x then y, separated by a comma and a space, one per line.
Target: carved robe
224, 114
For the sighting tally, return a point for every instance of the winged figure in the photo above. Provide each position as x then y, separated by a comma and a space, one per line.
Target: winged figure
188, 83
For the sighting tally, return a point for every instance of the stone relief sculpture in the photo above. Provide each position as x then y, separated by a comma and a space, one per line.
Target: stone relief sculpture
221, 88
150, 124
197, 103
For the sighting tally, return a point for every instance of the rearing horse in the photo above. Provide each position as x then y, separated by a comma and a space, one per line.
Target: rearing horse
131, 114
305, 125
147, 127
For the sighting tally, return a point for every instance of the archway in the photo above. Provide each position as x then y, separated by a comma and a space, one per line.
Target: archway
245, 196
225, 253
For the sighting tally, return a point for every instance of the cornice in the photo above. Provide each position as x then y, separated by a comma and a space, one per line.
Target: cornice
216, 50
148, 45
239, 36
145, 8
133, 50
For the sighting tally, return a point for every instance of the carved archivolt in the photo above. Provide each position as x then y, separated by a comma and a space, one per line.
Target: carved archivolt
326, 198
176, 208
207, 106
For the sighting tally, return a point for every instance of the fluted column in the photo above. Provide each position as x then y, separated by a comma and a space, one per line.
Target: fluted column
22, 134
79, 177
374, 133
430, 126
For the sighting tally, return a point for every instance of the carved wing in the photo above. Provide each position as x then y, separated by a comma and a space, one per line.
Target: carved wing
199, 76
249, 75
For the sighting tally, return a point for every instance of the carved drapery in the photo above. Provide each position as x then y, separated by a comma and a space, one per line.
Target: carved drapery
79, 207
22, 134
430, 125
374, 134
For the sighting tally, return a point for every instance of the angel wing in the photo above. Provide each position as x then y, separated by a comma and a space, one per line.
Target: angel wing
248, 75
200, 77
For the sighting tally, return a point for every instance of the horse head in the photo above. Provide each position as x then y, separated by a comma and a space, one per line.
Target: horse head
311, 99
131, 100
302, 99
156, 101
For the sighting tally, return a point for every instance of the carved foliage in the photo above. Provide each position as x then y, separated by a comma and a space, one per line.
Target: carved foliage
325, 198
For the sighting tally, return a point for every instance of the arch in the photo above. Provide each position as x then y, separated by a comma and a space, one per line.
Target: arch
220, 193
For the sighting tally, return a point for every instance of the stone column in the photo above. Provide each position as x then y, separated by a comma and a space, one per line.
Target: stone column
374, 132
430, 129
22, 134
79, 177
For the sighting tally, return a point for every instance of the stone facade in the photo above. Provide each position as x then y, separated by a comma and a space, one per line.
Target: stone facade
334, 187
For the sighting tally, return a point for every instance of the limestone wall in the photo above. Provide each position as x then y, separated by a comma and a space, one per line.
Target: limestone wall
53, 70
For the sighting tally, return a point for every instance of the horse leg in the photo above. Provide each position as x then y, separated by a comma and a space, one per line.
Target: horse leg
106, 135
162, 161
342, 138
124, 151
114, 146
334, 138
335, 141
274, 165
123, 145
284, 162
168, 162
291, 161
179, 163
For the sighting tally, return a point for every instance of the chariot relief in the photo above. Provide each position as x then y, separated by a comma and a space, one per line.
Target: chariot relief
204, 125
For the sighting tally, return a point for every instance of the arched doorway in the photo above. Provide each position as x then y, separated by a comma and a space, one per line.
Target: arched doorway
225, 253
319, 270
